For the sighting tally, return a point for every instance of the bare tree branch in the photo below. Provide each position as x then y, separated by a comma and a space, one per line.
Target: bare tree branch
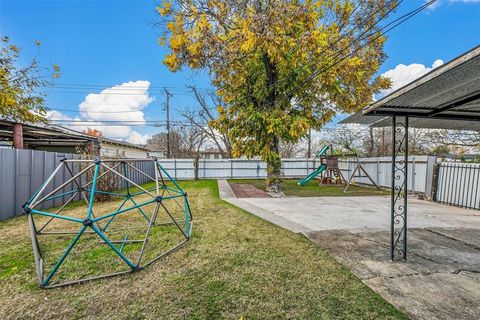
200, 118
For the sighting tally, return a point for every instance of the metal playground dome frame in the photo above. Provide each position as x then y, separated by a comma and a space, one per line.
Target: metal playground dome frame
84, 185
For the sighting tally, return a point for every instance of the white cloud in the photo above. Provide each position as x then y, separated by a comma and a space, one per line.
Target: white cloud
52, 114
465, 1
137, 138
404, 74
439, 2
124, 102
118, 103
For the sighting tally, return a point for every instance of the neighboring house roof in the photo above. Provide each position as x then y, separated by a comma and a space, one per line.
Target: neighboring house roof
154, 147
4, 144
56, 134
210, 151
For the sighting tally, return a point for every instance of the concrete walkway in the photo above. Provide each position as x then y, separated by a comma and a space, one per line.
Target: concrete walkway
226, 193
245, 190
441, 279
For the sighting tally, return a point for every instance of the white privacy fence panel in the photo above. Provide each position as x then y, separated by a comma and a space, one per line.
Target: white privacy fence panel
184, 169
380, 170
179, 168
298, 167
458, 184
22, 171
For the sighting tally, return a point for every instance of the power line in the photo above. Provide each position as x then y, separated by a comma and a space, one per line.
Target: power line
383, 30
104, 93
170, 88
398, 21
181, 90
123, 125
114, 93
121, 90
176, 124
64, 109
124, 122
359, 38
187, 90
88, 111
363, 36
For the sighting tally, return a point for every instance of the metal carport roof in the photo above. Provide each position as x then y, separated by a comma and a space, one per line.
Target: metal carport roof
448, 97
451, 91
426, 123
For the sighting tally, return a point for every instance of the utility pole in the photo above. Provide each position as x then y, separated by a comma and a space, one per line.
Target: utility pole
309, 150
383, 142
167, 107
372, 142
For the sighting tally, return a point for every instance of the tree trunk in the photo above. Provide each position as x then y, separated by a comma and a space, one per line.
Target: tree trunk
196, 165
371, 147
274, 163
274, 166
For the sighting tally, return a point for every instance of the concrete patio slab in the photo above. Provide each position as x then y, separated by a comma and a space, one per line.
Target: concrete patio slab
364, 213
440, 280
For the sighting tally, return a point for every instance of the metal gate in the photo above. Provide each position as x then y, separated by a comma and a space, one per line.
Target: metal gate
457, 184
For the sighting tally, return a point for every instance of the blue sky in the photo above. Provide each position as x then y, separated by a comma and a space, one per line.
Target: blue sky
106, 43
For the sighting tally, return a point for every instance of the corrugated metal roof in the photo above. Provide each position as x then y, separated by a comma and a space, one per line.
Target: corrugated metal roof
451, 91
427, 123
359, 118
447, 97
44, 131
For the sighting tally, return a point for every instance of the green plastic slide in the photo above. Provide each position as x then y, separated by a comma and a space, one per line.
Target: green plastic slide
322, 152
312, 175
317, 171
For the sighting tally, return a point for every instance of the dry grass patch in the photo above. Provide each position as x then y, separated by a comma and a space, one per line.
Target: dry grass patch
235, 265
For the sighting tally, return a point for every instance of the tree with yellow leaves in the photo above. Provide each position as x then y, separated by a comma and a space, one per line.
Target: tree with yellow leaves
280, 67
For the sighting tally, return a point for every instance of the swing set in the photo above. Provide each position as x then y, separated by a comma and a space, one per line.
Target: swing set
329, 172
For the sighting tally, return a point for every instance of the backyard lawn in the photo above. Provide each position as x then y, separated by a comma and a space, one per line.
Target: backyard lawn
235, 266
312, 189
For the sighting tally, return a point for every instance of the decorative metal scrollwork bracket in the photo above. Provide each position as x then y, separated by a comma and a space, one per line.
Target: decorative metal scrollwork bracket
398, 241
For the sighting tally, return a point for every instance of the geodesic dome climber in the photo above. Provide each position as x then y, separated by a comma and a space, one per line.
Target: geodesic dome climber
76, 237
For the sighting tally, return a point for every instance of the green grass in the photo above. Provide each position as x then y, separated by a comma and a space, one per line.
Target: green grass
312, 189
236, 265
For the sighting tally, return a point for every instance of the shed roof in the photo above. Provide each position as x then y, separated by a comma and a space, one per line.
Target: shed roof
52, 134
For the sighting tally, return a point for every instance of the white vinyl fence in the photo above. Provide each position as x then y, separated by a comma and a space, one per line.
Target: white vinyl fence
183, 169
379, 169
22, 171
458, 184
